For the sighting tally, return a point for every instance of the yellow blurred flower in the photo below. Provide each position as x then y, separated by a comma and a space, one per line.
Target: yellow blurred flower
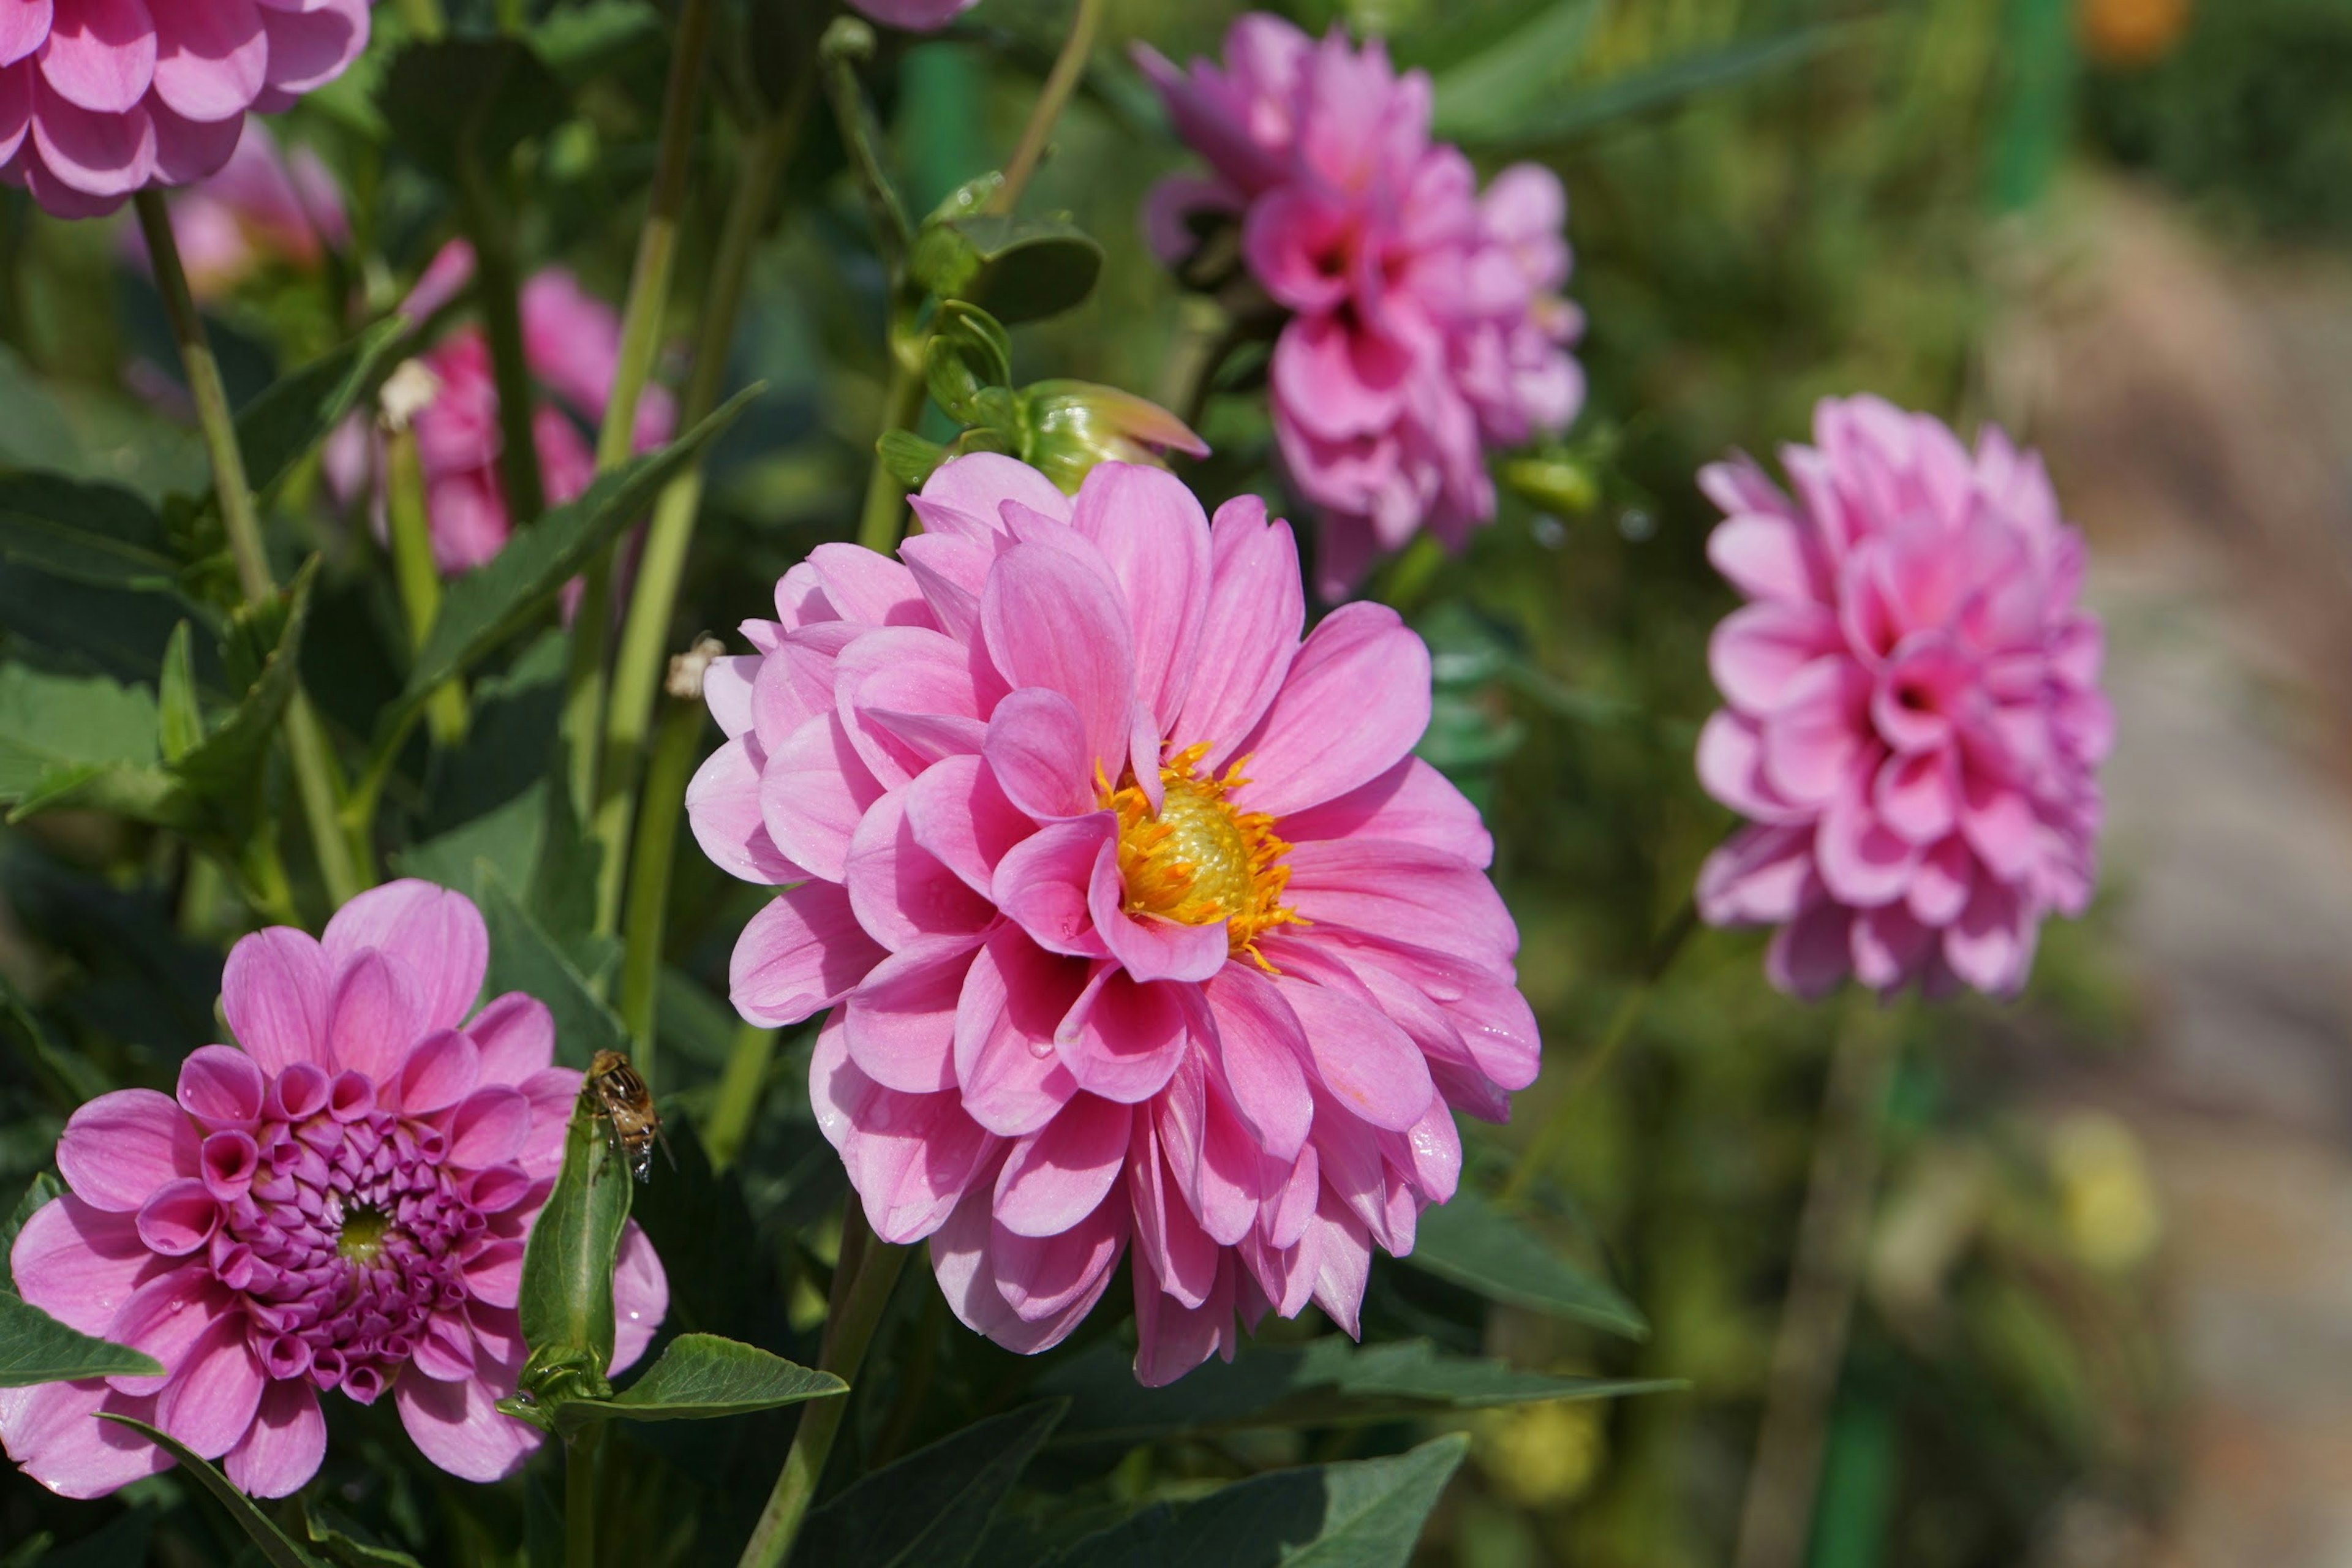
1541, 1455
2105, 1194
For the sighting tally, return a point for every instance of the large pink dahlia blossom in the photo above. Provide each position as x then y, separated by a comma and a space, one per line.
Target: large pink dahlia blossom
340, 1204
1426, 321
1912, 719
100, 99
1138, 920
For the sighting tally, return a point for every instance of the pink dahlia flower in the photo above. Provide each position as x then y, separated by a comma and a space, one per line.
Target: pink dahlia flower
1912, 719
571, 340
340, 1204
1141, 924
1426, 324
265, 208
100, 99
914, 16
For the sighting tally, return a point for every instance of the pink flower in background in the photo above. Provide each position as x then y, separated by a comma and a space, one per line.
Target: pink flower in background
572, 341
1912, 721
100, 99
265, 208
340, 1204
1425, 321
1140, 922
914, 16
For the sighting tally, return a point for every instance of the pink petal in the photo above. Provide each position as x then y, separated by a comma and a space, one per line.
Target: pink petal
1731, 768
1861, 860
1758, 651
180, 1218
640, 1298
377, 1016
53, 1431
1051, 621
1411, 803
283, 1447
900, 1024
494, 1275
310, 45
910, 1157
1013, 999
1356, 700
213, 56
79, 1263
441, 1071
1042, 883
1813, 952
24, 28
164, 1316
1256, 608
1057, 1175
1917, 795
1890, 947
101, 55
438, 933
1169, 1241
1813, 740
1363, 1058
1990, 946
902, 894
1042, 1277
1758, 877
722, 807
514, 1037
119, 1147
1939, 888
458, 1427
1123, 1038
1999, 823
1037, 748
963, 1259
1171, 1338
1260, 1047
1769, 556
800, 954
222, 1087
1153, 533
976, 486
1147, 946
444, 1347
489, 1128
812, 794
275, 993
961, 816
908, 697
212, 1399
1402, 891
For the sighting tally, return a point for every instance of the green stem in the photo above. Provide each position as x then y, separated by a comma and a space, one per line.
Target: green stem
661, 568
1537, 1157
580, 1497
848, 1331
678, 746
886, 502
419, 580
423, 18
741, 1088
1060, 82
314, 777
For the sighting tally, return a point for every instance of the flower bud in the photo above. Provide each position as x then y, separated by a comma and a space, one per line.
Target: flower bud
1068, 427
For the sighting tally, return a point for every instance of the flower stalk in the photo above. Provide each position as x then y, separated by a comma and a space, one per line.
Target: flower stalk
315, 778
579, 1495
678, 747
1060, 83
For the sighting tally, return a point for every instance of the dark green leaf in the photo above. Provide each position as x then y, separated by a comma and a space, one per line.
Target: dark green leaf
118, 631
124, 1542
289, 420
70, 1076
275, 1544
485, 606
583, 42
1365, 1513
523, 957
1018, 269
930, 1509
37, 1348
701, 1377
349, 1543
146, 795
40, 1190
1328, 1382
1480, 1247
909, 458
55, 724
1487, 93
473, 96
226, 766
1640, 93
97, 534
565, 1303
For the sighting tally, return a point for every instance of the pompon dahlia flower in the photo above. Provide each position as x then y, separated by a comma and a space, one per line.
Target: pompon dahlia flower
1426, 321
1140, 922
341, 1203
1913, 719
100, 98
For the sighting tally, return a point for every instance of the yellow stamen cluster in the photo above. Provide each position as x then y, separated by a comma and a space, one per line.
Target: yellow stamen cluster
1200, 861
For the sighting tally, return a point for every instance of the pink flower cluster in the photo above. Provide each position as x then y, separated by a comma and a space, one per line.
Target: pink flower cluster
571, 340
1913, 719
340, 1202
1142, 929
100, 99
1426, 322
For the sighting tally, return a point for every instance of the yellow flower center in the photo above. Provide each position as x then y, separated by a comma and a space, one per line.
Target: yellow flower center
1200, 861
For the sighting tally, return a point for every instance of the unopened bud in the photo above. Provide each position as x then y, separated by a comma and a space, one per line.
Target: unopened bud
407, 392
686, 669
1068, 427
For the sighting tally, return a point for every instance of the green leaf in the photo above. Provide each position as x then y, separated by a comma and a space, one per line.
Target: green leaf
58, 725
180, 718
97, 534
486, 606
37, 1348
71, 1077
1365, 1513
289, 420
33, 432
1326, 1383
276, 1545
909, 458
565, 1303
225, 766
1018, 269
967, 352
478, 97
523, 957
39, 1191
930, 1509
1488, 92
701, 1377
146, 795
1480, 1247
1640, 93
349, 1543
583, 42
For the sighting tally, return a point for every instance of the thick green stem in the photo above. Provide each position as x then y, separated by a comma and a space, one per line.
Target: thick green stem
580, 1497
644, 654
886, 502
1060, 82
741, 1088
848, 1331
678, 746
314, 768
412, 571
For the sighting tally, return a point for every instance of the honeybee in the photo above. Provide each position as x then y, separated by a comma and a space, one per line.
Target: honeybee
623, 1100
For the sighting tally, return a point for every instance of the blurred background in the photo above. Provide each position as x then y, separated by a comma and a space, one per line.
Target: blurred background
2103, 1294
